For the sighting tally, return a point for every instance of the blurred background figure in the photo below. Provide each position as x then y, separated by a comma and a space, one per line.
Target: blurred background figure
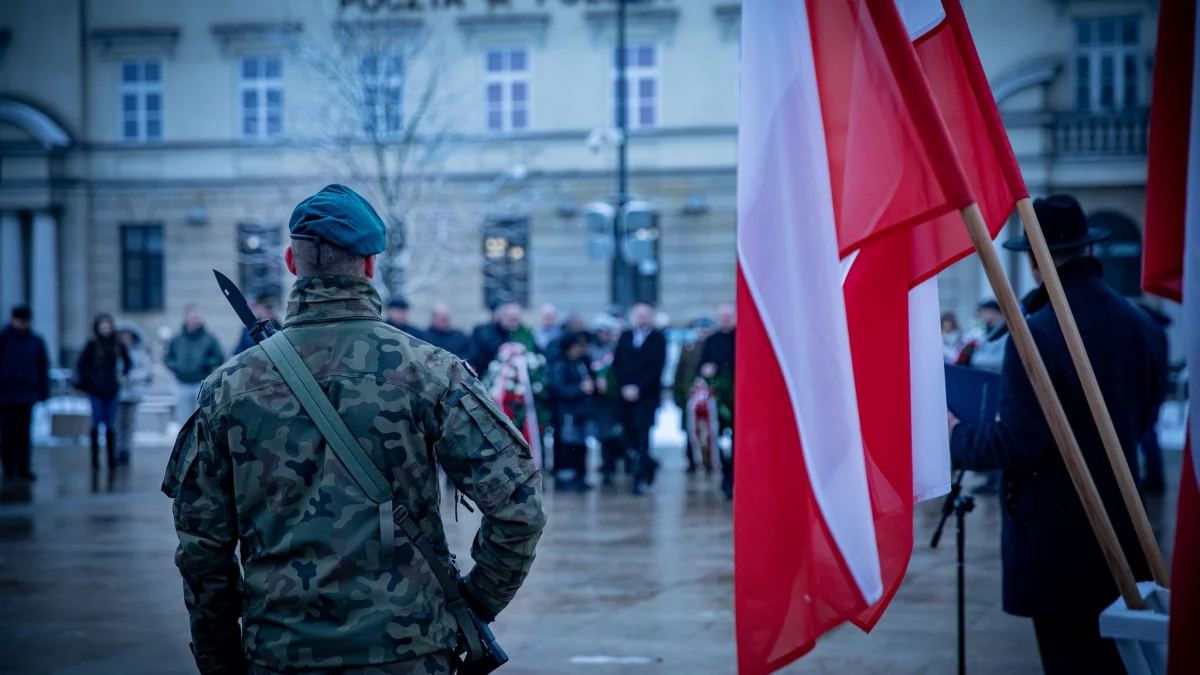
686, 371
442, 333
720, 350
265, 309
103, 367
952, 338
24, 381
640, 358
506, 327
985, 348
397, 317
133, 389
573, 387
609, 430
548, 329
1153, 478
192, 355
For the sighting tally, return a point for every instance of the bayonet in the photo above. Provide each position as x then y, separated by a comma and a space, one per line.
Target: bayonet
259, 330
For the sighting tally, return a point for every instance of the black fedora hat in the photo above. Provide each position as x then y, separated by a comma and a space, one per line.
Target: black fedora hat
1063, 225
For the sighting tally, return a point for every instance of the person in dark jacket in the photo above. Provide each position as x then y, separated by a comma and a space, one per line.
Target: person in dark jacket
102, 367
574, 387
264, 309
1054, 571
397, 317
640, 358
609, 429
192, 355
718, 358
687, 369
24, 382
442, 334
1152, 471
488, 338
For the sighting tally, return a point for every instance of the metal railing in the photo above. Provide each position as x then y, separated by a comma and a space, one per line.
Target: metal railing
1100, 135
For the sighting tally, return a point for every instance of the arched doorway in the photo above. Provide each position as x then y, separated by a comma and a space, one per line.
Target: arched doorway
1121, 253
32, 146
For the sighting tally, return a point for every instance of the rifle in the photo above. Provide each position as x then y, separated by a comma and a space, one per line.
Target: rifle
488, 654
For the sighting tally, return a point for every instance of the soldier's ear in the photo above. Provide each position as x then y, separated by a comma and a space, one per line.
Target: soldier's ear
289, 259
369, 267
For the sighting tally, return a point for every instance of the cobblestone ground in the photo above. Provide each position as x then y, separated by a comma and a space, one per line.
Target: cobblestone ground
621, 584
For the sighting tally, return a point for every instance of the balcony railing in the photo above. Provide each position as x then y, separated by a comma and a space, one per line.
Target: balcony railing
1100, 135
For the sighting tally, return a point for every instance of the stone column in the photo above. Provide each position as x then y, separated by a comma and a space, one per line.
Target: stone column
44, 294
12, 265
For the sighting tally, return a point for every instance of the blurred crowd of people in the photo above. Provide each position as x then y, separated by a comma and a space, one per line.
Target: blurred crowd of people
595, 380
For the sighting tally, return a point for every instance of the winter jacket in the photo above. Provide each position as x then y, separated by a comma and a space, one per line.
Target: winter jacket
193, 355
24, 367
141, 371
566, 384
454, 341
101, 367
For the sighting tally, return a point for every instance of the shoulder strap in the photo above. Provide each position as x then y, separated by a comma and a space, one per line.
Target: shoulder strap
368, 477
291, 367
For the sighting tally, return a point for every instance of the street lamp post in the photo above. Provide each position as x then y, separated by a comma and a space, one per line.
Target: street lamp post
620, 269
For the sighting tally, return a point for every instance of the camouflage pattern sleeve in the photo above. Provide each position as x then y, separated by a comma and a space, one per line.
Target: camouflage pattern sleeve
199, 479
489, 461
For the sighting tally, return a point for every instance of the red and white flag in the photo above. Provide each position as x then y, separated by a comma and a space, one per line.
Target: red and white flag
1172, 270
841, 153
963, 98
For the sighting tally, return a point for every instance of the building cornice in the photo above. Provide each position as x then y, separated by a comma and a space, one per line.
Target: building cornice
243, 37
121, 41
531, 27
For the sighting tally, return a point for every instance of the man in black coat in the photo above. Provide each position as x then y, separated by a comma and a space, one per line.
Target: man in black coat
717, 365
397, 317
487, 338
1054, 571
638, 366
442, 334
24, 381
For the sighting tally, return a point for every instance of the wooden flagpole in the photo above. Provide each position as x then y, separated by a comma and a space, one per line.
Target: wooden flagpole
1091, 389
1056, 416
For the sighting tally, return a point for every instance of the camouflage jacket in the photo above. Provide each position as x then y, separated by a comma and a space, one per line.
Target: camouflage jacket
251, 469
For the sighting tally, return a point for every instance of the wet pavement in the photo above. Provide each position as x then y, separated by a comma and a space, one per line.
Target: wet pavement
621, 585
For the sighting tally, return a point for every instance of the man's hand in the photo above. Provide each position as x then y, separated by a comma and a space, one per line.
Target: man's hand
587, 387
951, 422
630, 392
708, 370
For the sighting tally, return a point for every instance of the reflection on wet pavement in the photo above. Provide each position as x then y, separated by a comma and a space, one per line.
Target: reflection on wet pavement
621, 584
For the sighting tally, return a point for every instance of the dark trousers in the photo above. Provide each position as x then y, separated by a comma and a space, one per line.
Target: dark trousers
570, 461
727, 472
611, 450
1074, 647
637, 440
15, 422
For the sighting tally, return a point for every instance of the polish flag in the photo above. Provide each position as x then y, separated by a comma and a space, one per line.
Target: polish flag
842, 153
964, 100
1172, 270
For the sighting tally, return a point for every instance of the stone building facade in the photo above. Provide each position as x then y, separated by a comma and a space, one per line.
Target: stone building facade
144, 143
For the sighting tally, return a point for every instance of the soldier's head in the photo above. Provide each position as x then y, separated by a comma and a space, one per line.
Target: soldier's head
441, 319
509, 316
334, 233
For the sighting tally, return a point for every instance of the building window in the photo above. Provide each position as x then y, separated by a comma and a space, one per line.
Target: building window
641, 86
262, 96
141, 100
1108, 70
382, 77
506, 89
260, 248
141, 268
506, 262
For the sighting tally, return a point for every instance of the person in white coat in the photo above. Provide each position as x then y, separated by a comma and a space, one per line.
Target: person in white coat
133, 389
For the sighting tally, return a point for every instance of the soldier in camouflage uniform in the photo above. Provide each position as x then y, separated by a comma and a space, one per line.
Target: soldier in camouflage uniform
315, 593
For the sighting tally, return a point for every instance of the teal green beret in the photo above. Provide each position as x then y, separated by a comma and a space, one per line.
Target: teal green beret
339, 216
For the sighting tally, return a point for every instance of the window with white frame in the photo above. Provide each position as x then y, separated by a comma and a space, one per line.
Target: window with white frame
382, 77
1108, 64
262, 95
641, 85
506, 89
141, 100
